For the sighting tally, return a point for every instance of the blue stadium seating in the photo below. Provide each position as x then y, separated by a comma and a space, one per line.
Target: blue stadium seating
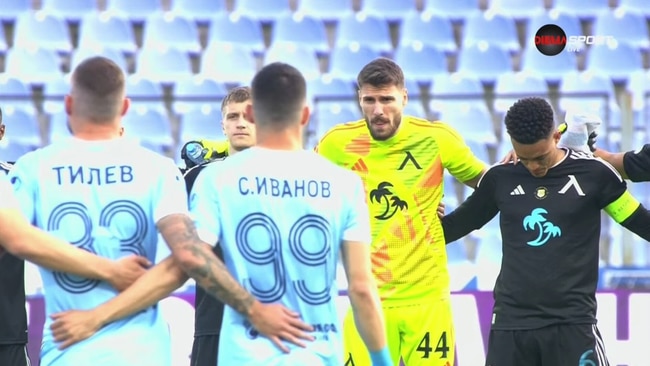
54, 92
108, 31
150, 126
58, 128
144, 93
413, 88
472, 120
364, 29
198, 10
328, 116
303, 30
134, 11
421, 63
11, 151
484, 62
617, 60
391, 10
347, 61
625, 26
10, 9
41, 30
236, 28
169, 30
22, 126
35, 66
16, 93
165, 66
415, 108
428, 29
639, 87
552, 68
230, 63
638, 6
453, 10
3, 42
454, 89
584, 9
113, 54
494, 29
517, 9
198, 92
302, 58
569, 22
328, 11
513, 86
70, 10
201, 123
588, 91
329, 90
264, 11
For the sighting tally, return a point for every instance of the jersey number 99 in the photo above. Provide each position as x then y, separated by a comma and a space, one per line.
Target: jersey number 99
273, 255
132, 244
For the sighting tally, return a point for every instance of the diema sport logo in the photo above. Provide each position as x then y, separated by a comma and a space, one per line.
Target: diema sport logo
550, 40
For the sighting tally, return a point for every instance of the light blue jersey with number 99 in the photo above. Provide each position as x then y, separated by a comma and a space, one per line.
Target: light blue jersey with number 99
104, 197
280, 218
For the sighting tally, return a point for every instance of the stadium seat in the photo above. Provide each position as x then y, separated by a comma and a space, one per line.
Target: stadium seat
263, 11
625, 26
70, 10
302, 30
329, 90
472, 120
302, 58
420, 62
11, 9
484, 61
479, 149
391, 10
22, 126
513, 86
144, 93
12, 151
198, 92
639, 87
58, 127
35, 66
165, 66
552, 68
517, 9
41, 30
413, 88
328, 11
428, 29
584, 9
575, 86
239, 29
150, 126
54, 92
134, 11
230, 63
616, 60
198, 10
16, 93
112, 54
454, 88
364, 29
494, 29
163, 30
455, 10
347, 61
637, 6
328, 116
201, 123
108, 31
569, 22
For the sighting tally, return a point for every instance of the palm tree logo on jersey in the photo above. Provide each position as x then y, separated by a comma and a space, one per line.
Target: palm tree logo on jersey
546, 229
584, 361
391, 201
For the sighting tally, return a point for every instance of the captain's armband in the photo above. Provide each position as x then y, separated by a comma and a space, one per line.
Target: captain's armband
623, 207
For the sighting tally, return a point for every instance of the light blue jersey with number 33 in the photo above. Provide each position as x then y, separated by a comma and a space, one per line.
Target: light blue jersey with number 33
104, 197
280, 218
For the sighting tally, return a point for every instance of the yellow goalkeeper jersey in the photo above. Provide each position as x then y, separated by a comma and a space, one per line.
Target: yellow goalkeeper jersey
403, 178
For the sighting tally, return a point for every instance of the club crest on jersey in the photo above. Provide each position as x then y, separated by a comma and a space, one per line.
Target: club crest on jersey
541, 193
383, 195
545, 229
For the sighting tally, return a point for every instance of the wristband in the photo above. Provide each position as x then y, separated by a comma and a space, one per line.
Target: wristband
381, 357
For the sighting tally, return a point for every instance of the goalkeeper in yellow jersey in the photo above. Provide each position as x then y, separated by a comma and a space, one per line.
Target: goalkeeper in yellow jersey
401, 160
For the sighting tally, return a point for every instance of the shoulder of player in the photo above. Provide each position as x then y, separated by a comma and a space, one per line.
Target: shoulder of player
431, 128
344, 131
499, 171
590, 162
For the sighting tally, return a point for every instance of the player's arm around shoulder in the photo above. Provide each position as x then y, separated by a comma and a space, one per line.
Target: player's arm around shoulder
634, 165
362, 289
456, 156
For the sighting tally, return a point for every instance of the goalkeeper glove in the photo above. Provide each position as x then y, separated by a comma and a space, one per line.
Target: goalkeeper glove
579, 131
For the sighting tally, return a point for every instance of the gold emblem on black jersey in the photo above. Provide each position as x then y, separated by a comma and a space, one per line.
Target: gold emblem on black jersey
541, 193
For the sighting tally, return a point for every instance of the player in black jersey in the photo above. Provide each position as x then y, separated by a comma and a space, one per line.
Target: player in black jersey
545, 305
633, 165
240, 133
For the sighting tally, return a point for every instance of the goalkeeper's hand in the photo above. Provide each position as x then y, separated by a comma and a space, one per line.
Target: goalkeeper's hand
215, 149
591, 142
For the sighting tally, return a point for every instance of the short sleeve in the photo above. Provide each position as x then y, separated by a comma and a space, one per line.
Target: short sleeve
7, 197
357, 226
612, 185
23, 182
456, 156
172, 196
204, 208
637, 164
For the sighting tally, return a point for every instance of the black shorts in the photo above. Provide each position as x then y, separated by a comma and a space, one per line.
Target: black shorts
556, 345
14, 354
205, 350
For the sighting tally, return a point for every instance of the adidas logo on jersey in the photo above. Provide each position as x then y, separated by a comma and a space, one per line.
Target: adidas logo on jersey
518, 191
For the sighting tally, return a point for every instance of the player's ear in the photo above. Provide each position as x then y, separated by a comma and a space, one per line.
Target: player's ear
405, 97
306, 113
556, 136
126, 103
121, 131
249, 113
67, 101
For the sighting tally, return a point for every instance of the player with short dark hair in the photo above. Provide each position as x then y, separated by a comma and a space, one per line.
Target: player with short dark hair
285, 229
545, 295
401, 160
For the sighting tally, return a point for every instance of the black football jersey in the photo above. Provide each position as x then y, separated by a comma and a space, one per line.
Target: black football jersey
550, 230
637, 164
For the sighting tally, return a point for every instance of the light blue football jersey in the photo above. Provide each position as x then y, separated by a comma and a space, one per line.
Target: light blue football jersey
280, 218
104, 197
